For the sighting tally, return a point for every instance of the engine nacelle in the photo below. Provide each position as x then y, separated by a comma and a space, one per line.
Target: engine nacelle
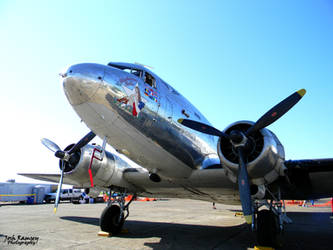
106, 172
265, 155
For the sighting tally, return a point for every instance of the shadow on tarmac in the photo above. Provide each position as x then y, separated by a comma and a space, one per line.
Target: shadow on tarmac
176, 235
85, 220
309, 230
143, 229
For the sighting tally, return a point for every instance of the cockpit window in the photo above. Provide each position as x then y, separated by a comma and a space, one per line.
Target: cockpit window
135, 72
150, 80
147, 78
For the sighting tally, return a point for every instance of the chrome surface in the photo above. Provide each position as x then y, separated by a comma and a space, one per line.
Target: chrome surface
82, 81
266, 167
105, 173
139, 119
206, 185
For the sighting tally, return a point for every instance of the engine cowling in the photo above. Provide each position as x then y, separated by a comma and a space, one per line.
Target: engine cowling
265, 155
106, 172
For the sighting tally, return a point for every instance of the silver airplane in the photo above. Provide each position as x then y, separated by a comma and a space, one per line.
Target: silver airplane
181, 155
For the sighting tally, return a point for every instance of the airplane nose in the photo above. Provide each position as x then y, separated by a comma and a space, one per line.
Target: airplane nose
81, 82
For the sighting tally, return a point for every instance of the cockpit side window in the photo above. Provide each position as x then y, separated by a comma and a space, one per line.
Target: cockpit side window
150, 80
136, 72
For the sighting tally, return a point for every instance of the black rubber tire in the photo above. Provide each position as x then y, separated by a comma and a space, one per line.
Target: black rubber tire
268, 230
109, 221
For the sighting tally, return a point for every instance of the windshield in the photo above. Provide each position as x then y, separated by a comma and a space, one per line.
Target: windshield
134, 71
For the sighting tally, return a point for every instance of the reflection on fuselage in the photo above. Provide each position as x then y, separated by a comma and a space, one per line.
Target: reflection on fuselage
144, 113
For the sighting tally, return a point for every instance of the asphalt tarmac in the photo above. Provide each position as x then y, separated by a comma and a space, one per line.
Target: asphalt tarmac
162, 224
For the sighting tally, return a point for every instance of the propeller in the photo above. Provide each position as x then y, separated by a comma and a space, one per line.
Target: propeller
84, 141
59, 186
239, 140
277, 111
65, 156
244, 187
201, 127
50, 145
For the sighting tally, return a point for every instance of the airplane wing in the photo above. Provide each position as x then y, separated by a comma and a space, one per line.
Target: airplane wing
309, 179
310, 165
49, 178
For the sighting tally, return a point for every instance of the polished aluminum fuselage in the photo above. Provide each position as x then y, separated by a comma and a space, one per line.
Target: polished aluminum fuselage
104, 98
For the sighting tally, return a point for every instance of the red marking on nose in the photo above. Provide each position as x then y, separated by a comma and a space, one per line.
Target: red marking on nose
274, 114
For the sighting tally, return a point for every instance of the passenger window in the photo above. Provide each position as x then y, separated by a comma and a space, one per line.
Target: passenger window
150, 80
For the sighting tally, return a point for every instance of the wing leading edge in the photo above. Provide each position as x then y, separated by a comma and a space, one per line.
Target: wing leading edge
49, 178
308, 179
311, 165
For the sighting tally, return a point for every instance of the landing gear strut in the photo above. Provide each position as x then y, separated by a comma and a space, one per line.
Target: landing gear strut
270, 222
113, 216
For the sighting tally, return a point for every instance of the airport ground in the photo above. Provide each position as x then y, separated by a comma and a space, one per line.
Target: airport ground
162, 224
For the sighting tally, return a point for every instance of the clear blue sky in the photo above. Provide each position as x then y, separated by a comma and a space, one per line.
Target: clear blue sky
233, 59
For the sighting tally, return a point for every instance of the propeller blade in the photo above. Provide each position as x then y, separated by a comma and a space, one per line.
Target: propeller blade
244, 188
59, 187
201, 127
84, 141
50, 145
277, 111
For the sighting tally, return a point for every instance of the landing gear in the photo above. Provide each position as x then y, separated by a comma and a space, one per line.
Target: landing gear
112, 220
268, 229
270, 222
113, 216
